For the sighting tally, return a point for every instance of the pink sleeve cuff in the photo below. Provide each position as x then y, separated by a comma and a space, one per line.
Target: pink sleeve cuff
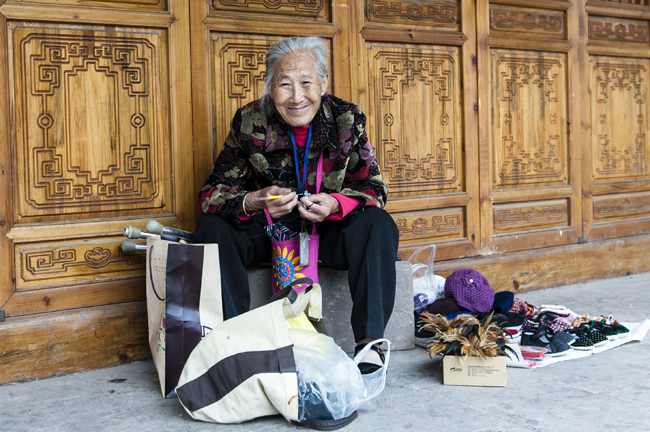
347, 206
243, 217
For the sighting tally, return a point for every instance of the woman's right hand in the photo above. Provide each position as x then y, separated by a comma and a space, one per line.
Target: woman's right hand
276, 207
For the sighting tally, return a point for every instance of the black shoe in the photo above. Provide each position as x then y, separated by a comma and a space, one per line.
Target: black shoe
368, 368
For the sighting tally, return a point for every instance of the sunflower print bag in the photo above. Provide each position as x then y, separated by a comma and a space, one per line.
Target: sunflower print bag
285, 260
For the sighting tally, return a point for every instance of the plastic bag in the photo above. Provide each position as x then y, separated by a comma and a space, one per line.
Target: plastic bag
330, 386
427, 287
376, 381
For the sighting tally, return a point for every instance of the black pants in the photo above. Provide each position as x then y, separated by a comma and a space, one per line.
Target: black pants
363, 243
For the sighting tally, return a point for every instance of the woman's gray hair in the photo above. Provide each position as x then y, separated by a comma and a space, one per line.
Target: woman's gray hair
312, 45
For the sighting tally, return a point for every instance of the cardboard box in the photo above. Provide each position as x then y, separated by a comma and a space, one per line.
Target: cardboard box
474, 371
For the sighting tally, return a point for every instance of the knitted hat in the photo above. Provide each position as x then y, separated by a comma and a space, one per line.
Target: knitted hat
503, 301
470, 289
443, 306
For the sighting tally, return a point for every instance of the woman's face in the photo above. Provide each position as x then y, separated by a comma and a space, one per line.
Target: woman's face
297, 89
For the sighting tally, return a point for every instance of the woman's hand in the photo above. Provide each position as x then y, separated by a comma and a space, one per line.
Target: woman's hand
317, 207
276, 207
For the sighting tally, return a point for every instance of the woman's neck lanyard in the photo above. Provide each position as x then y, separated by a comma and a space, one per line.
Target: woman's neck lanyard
302, 182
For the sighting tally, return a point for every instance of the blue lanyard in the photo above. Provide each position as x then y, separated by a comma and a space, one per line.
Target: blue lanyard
301, 182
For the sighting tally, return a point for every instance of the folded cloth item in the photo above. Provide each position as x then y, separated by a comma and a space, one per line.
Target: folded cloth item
519, 307
561, 311
443, 306
503, 301
470, 289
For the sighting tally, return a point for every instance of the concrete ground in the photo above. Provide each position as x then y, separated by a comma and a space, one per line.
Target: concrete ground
609, 391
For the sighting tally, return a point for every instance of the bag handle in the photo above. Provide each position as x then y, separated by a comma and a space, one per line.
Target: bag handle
289, 292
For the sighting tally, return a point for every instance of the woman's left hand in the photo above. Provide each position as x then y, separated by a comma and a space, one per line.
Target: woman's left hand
317, 207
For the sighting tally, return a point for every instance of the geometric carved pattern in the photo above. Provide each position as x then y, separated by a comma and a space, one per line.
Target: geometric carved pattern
117, 4
411, 12
618, 30
621, 207
421, 153
239, 72
619, 91
306, 8
529, 106
547, 23
72, 262
421, 227
88, 121
527, 217
634, 2
244, 72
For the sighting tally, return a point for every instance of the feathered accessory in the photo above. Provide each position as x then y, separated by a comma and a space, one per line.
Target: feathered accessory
464, 336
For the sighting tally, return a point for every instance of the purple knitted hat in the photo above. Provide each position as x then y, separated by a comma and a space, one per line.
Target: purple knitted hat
470, 289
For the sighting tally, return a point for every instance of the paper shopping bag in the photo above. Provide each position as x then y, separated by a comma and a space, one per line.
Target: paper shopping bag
183, 303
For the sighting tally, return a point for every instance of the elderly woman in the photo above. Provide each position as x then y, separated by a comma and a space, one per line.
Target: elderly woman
273, 148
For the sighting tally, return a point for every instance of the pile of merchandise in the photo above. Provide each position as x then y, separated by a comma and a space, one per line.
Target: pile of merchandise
548, 330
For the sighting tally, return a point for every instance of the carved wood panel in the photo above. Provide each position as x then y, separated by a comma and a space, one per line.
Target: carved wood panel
529, 106
611, 208
537, 22
126, 4
618, 30
430, 226
315, 9
432, 14
91, 125
629, 2
416, 111
619, 118
54, 263
239, 71
523, 217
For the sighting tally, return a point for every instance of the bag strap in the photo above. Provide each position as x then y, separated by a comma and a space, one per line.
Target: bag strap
289, 292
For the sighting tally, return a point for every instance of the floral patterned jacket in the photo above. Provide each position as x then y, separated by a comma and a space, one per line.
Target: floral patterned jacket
258, 152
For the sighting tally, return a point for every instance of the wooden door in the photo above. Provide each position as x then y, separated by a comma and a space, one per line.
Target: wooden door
617, 72
530, 106
417, 87
93, 140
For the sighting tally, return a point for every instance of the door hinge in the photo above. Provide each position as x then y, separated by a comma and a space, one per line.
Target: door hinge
2, 315
583, 239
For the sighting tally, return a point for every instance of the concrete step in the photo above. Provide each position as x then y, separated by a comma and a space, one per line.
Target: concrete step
337, 304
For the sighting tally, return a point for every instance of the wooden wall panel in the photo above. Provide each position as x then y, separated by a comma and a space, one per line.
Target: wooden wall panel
509, 218
529, 160
421, 104
529, 101
89, 126
431, 226
68, 262
238, 76
140, 5
618, 176
318, 9
427, 14
96, 136
619, 118
518, 21
619, 30
422, 152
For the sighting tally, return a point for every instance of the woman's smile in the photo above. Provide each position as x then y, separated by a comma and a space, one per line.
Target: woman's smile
298, 89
